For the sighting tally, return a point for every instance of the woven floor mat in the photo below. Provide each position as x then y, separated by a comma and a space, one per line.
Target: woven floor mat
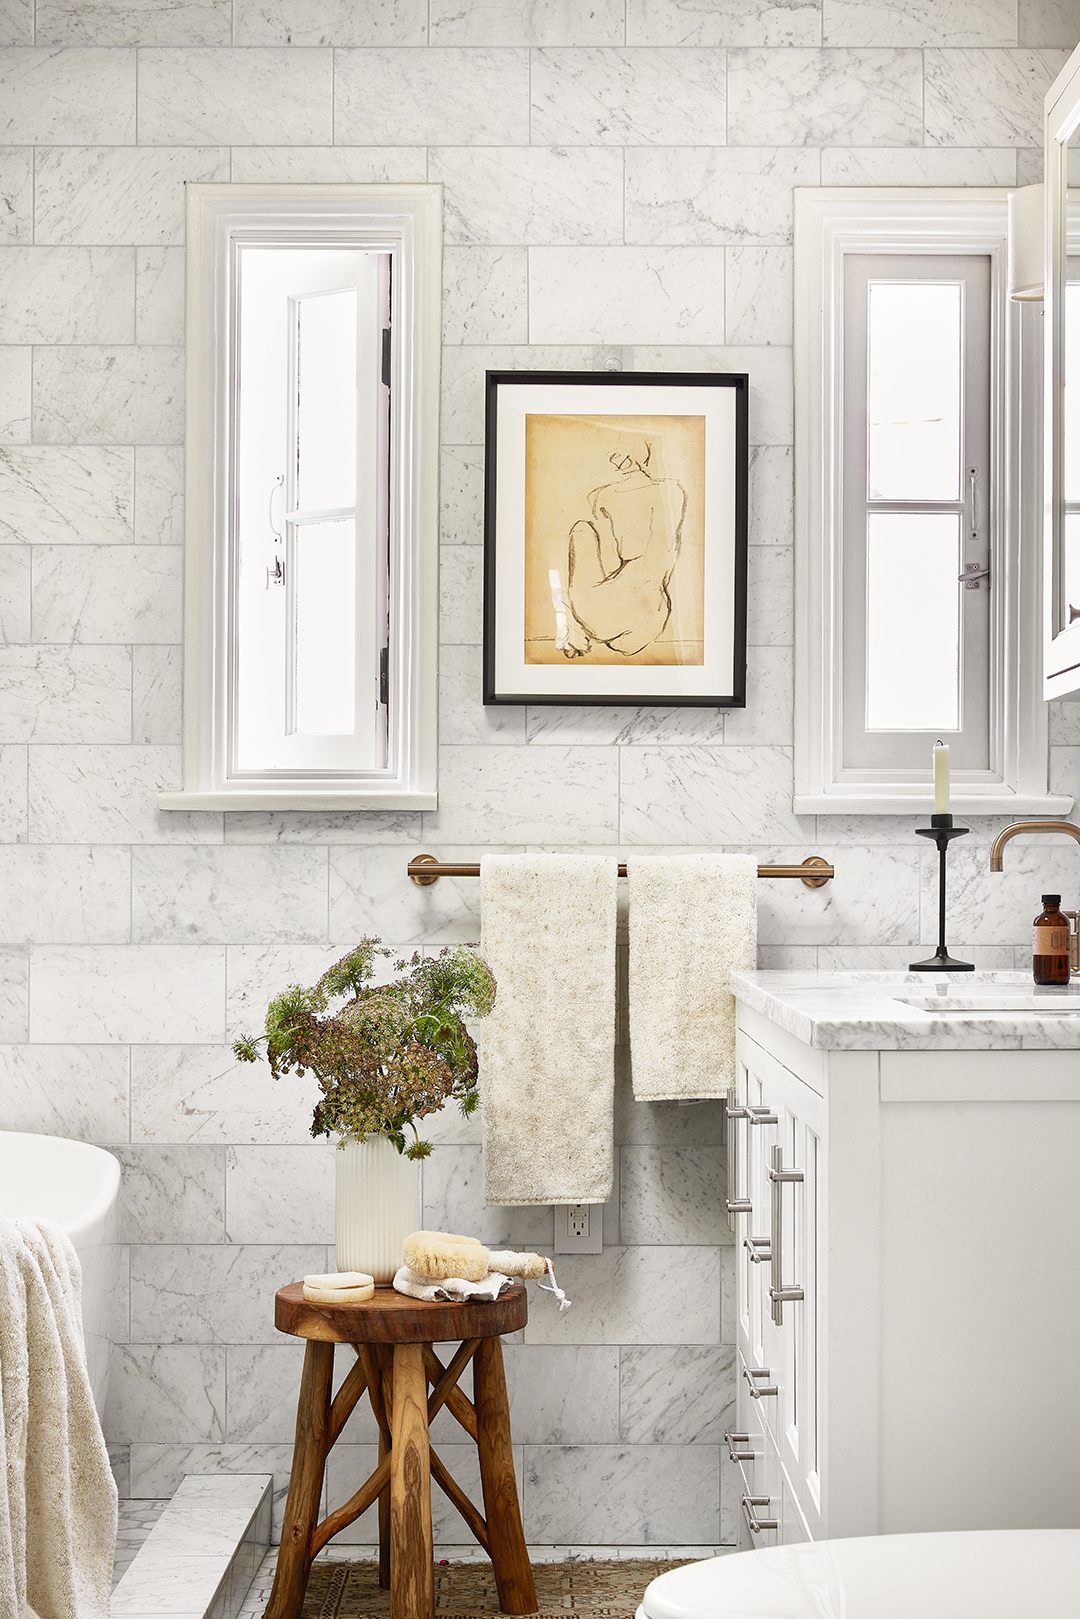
602, 1590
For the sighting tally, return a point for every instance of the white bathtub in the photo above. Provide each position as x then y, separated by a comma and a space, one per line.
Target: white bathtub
79, 1187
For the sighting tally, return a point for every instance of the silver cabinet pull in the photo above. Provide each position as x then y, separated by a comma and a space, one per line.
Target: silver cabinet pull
733, 1439
757, 1388
761, 1115
778, 1293
757, 1247
734, 1203
753, 1522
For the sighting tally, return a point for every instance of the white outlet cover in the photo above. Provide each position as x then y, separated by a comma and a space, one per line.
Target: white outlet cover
579, 1228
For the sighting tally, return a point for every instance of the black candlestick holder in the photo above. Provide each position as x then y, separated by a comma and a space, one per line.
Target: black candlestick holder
942, 830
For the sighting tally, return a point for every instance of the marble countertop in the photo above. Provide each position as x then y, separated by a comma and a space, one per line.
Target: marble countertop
852, 1011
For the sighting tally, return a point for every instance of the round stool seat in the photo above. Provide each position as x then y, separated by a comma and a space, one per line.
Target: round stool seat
956, 1574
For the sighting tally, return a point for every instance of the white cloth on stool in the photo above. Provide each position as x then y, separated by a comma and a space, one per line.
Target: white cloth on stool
451, 1288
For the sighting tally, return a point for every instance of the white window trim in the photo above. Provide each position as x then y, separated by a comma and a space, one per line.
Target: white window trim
406, 220
829, 223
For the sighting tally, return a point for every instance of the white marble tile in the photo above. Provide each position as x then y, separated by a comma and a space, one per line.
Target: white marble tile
527, 22
262, 1382
79, 496
239, 97
229, 895
562, 1394
813, 97
996, 908
65, 1090
461, 492
530, 194
757, 294
14, 594
723, 22
463, 717
647, 1495
256, 972
1030, 165
211, 1295
496, 793
98, 194
15, 400
13, 811
987, 97
451, 1127
195, 1093
109, 795
181, 1588
918, 22
485, 295
634, 1296
461, 596
159, 494
475, 97
606, 726
1064, 723
769, 370
664, 1124
672, 1196
14, 994
328, 165
370, 893
330, 22
873, 899
159, 295
109, 994
16, 194
17, 22
897, 957
463, 391
61, 694
66, 294
322, 826
625, 295
133, 22
280, 1194
770, 603
108, 594
157, 695
157, 1471
56, 97
1048, 22
915, 166
64, 895
768, 715
784, 958
682, 1396
1065, 771
708, 795
172, 1194
628, 97
97, 395
454, 1201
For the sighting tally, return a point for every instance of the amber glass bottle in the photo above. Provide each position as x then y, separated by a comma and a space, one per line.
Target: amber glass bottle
1050, 944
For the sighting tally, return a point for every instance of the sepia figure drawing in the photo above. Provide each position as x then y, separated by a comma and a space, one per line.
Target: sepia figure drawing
621, 558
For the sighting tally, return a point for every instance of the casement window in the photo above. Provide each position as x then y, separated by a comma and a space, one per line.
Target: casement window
311, 569
917, 507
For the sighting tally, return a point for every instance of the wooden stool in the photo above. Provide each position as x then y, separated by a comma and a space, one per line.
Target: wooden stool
392, 1336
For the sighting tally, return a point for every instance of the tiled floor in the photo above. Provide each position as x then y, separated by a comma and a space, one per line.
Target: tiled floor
136, 1519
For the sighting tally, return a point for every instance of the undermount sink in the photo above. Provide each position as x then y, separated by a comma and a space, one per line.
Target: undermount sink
1048, 1004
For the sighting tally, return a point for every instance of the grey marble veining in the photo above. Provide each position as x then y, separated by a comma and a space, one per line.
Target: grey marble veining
919, 22
367, 896
65, 895
810, 97
769, 370
689, 796
924, 166
157, 695
330, 22
112, 195
648, 1494
280, 1194
625, 295
461, 481
172, 1194
1047, 22
133, 22
571, 796
629, 97
219, 1295
461, 596
108, 794
328, 165
672, 1196
237, 97
65, 694
166, 1393
485, 295
676, 1396
14, 594
977, 97
107, 595
64, 1090
159, 295
116, 994
723, 22
562, 1394
529, 195
98, 395
229, 895
15, 403
757, 294
159, 494
77, 496
57, 97
16, 194
199, 1093
463, 717
454, 97
634, 1296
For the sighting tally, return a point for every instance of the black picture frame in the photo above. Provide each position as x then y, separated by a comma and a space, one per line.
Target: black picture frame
594, 650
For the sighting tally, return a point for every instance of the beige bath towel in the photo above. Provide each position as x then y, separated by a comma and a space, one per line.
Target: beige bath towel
693, 921
57, 1496
548, 1048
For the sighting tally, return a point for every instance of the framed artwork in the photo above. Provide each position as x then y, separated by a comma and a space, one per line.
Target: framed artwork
615, 538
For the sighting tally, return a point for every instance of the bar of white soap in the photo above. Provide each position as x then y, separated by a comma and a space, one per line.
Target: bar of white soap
339, 1280
339, 1295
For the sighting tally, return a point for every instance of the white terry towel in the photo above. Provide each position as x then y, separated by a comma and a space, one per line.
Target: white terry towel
453, 1288
547, 1066
57, 1496
693, 921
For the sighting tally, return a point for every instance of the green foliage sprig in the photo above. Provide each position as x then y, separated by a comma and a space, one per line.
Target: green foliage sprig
389, 1054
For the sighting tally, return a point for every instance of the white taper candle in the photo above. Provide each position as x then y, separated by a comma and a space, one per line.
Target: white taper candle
941, 778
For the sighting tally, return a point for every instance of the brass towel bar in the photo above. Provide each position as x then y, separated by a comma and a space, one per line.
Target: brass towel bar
424, 869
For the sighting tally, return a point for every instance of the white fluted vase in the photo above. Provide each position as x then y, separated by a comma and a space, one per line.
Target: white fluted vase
376, 1206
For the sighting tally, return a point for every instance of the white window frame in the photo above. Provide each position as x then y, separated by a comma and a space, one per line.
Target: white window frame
829, 224
405, 221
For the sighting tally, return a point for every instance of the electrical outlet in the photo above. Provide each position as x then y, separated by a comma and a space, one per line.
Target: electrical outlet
579, 1228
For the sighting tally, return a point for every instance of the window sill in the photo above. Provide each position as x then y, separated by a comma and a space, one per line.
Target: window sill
279, 799
1056, 804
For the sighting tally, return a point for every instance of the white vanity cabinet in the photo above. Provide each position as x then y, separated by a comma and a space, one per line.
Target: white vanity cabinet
929, 1376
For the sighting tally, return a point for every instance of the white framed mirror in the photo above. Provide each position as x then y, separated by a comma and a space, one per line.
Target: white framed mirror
1061, 417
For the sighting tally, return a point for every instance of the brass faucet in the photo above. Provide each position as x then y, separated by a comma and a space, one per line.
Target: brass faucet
1028, 826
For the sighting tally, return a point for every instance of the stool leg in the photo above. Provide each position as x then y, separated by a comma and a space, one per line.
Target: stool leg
509, 1554
305, 1483
384, 1526
412, 1568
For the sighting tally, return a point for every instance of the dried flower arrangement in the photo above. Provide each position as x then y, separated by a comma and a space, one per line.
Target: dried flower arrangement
392, 1053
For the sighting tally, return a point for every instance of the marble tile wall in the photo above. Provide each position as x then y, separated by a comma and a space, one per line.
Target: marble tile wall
618, 183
